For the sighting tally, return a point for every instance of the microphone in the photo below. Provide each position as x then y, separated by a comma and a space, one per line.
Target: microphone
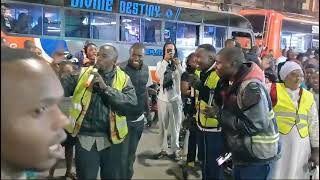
91, 77
211, 97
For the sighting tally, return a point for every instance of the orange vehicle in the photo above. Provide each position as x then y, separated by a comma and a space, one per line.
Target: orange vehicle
276, 31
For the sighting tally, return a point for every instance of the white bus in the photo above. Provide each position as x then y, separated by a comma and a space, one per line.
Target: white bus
67, 24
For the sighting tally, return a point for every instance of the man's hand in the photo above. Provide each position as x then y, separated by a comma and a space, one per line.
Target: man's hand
194, 81
176, 61
99, 79
211, 111
85, 61
315, 156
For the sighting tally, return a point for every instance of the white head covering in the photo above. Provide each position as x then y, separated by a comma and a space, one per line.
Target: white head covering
288, 67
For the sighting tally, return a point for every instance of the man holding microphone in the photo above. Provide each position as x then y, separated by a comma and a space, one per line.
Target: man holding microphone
98, 115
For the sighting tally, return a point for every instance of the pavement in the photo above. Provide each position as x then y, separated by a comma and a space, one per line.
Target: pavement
145, 167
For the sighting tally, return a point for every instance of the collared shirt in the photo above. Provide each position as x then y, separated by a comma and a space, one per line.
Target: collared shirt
87, 142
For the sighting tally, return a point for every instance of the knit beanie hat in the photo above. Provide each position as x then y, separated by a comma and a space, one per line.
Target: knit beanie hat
288, 67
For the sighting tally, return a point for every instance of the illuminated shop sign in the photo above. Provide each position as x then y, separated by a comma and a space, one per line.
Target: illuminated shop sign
129, 7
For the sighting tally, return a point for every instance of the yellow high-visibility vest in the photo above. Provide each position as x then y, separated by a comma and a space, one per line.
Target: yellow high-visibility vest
288, 116
81, 100
202, 121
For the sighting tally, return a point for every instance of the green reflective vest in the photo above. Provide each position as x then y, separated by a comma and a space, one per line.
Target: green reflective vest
202, 121
288, 116
81, 100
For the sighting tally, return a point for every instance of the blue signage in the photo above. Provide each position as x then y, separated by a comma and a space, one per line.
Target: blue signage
101, 5
153, 52
129, 7
143, 9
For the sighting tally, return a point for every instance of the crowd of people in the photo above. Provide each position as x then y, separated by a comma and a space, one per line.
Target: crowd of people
257, 113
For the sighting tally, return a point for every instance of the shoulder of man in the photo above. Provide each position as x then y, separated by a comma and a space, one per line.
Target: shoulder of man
123, 65
250, 93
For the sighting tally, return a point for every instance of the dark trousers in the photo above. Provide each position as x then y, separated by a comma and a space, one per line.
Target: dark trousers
212, 148
193, 144
256, 172
88, 162
129, 148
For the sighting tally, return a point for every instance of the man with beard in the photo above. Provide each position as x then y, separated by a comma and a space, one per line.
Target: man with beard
139, 75
98, 115
245, 115
210, 132
31, 122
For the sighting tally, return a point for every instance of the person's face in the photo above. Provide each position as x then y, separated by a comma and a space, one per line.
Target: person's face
293, 80
266, 63
67, 69
31, 122
193, 62
308, 73
169, 47
314, 80
223, 67
92, 52
136, 57
230, 45
3, 10
204, 59
37, 51
291, 55
284, 53
104, 59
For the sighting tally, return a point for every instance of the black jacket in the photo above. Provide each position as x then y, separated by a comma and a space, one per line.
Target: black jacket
246, 118
139, 78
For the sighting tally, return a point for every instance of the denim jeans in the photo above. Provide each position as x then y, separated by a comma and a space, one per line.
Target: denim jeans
129, 148
254, 172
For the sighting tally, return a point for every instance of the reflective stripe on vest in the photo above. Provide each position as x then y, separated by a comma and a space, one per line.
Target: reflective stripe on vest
202, 121
81, 100
266, 139
288, 116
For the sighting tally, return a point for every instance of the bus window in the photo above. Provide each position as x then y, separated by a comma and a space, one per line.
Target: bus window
187, 35
300, 42
170, 32
151, 31
105, 25
243, 38
22, 18
214, 35
300, 35
129, 29
47, 2
285, 40
51, 22
77, 24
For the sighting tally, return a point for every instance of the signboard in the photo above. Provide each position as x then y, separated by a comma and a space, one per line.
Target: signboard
129, 7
